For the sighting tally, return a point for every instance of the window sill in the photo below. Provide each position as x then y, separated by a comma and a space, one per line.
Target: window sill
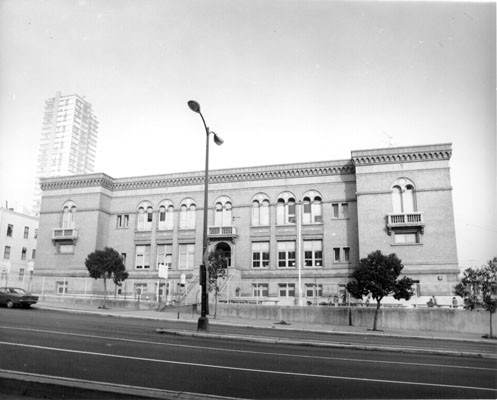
406, 244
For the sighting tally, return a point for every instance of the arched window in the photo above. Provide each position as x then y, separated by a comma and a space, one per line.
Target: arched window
260, 209
218, 215
145, 216
187, 214
223, 215
264, 215
280, 212
403, 196
286, 209
408, 198
166, 215
68, 214
312, 208
397, 199
256, 213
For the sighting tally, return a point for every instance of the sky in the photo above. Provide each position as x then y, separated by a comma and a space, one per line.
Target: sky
281, 81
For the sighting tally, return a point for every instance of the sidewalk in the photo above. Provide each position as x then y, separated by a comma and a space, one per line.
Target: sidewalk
189, 316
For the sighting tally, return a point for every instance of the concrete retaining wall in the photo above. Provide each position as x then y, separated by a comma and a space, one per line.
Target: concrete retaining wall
97, 302
429, 319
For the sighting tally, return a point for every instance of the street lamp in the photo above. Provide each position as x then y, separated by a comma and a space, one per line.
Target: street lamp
203, 321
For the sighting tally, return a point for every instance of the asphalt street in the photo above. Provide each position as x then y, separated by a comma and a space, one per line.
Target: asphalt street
130, 355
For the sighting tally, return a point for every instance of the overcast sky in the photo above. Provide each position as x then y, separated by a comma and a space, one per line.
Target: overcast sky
280, 81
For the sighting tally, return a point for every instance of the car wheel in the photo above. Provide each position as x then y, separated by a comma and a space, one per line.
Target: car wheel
10, 304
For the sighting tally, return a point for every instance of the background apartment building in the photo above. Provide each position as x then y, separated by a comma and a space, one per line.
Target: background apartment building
287, 229
18, 236
68, 140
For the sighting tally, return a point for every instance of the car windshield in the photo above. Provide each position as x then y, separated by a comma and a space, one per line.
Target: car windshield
17, 291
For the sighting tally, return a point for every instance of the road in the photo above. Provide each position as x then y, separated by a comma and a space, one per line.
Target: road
129, 352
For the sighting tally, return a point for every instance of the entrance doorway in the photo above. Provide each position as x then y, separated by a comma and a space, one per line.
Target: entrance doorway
226, 249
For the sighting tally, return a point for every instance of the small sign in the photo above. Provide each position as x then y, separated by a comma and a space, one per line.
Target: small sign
163, 271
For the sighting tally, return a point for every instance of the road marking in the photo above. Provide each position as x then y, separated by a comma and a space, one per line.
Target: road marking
253, 370
108, 387
248, 351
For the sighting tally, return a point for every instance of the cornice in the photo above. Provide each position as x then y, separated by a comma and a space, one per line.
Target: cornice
261, 173
402, 154
77, 181
284, 171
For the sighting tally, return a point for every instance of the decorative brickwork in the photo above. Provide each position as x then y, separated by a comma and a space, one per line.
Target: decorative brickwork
402, 155
197, 178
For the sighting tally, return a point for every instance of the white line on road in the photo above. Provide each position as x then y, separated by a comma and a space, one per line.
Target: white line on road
248, 351
253, 370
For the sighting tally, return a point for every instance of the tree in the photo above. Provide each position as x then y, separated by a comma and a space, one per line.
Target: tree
478, 287
106, 264
218, 267
377, 276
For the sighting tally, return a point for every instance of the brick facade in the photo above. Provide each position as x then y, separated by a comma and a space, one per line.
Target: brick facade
342, 207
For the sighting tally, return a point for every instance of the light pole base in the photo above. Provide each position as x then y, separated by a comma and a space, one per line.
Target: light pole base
203, 324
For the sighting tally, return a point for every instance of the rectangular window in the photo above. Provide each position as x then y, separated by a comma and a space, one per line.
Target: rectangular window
286, 289
142, 257
260, 289
345, 210
186, 256
165, 255
21, 274
24, 251
33, 254
61, 287
260, 254
122, 221
286, 254
10, 230
334, 207
6, 253
123, 257
313, 253
346, 254
36, 233
140, 288
66, 248
340, 210
336, 254
26, 232
406, 238
313, 290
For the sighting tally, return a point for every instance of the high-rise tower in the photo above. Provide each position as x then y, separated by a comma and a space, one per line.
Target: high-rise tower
68, 140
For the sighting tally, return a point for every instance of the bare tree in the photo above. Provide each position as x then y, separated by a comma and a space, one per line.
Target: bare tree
218, 267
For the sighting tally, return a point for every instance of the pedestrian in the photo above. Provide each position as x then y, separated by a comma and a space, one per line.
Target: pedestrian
367, 301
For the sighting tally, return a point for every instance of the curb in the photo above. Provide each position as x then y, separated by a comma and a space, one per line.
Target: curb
273, 340
36, 385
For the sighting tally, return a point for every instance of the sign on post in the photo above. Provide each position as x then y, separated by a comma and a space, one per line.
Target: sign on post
163, 271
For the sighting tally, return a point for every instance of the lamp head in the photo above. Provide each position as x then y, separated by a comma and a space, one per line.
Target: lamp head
194, 106
217, 139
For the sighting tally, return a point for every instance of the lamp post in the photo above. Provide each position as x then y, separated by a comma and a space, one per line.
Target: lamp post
203, 321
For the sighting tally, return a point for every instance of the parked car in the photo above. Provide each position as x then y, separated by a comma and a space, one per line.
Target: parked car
12, 297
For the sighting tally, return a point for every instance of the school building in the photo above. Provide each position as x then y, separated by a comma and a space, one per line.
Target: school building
291, 232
